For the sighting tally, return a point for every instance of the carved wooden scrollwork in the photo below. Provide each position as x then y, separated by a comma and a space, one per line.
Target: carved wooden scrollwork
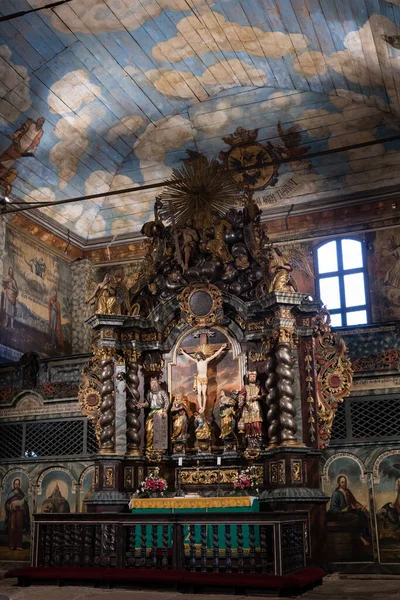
201, 304
334, 377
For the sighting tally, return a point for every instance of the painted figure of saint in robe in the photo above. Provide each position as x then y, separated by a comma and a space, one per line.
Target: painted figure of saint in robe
17, 515
343, 501
10, 296
55, 327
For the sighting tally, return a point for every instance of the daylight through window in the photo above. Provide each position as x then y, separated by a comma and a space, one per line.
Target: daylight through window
341, 281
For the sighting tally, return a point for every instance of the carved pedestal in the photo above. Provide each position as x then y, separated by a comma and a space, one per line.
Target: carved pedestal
178, 448
203, 446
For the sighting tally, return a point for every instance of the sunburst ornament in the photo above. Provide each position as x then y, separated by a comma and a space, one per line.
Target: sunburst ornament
199, 188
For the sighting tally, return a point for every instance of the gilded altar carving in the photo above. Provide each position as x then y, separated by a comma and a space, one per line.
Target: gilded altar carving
286, 335
154, 456
277, 471
128, 478
149, 337
89, 394
296, 469
210, 476
96, 477
334, 376
193, 314
109, 477
310, 391
255, 325
132, 355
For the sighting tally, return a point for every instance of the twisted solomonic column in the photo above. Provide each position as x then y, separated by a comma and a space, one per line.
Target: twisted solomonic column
272, 400
286, 394
107, 406
132, 398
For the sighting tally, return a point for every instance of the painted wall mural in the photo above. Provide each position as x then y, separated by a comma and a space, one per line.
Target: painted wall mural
38, 487
111, 96
36, 298
56, 493
15, 517
385, 283
87, 487
387, 507
349, 536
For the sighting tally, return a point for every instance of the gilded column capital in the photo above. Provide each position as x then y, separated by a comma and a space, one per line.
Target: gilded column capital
132, 355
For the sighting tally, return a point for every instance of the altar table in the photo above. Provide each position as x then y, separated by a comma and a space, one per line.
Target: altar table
198, 505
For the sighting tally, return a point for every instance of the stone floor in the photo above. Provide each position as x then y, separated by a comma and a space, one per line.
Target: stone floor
335, 587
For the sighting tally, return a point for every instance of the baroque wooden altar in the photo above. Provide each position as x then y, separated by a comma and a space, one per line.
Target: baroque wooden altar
224, 296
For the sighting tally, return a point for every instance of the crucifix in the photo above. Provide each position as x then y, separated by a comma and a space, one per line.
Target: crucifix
200, 382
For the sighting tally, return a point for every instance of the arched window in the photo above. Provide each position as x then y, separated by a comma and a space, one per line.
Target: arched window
342, 281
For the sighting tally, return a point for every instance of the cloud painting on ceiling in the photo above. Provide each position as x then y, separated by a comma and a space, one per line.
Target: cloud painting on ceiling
105, 95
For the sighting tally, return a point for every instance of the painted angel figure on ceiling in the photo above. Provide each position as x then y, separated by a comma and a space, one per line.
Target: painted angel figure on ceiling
25, 142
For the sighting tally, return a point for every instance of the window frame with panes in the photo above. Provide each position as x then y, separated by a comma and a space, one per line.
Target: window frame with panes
340, 272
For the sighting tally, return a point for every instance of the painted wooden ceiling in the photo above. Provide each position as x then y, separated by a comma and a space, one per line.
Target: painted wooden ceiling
126, 87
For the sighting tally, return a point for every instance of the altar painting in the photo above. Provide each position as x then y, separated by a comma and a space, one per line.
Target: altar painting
387, 509
224, 371
15, 518
348, 516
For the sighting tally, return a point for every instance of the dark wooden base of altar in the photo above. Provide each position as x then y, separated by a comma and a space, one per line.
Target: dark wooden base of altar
184, 581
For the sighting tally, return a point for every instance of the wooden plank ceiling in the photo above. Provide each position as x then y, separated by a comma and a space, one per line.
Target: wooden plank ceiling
125, 87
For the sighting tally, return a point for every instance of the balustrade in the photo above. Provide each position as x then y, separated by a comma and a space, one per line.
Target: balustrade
241, 543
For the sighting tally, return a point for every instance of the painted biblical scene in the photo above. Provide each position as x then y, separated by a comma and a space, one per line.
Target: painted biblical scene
35, 299
87, 488
15, 515
348, 518
384, 265
387, 509
207, 370
55, 495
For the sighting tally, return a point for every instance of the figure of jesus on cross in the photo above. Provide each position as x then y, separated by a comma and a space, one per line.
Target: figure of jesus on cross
201, 378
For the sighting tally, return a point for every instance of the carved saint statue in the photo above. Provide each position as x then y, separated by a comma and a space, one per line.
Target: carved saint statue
189, 238
226, 410
110, 297
157, 400
179, 412
217, 246
202, 429
201, 378
251, 419
279, 271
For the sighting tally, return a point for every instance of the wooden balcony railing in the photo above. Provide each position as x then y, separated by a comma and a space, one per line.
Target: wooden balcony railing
203, 542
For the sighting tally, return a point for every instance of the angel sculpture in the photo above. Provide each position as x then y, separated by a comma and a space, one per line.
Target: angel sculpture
281, 265
110, 297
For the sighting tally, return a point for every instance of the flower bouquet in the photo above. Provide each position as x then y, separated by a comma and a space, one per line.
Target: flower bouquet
246, 482
153, 486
